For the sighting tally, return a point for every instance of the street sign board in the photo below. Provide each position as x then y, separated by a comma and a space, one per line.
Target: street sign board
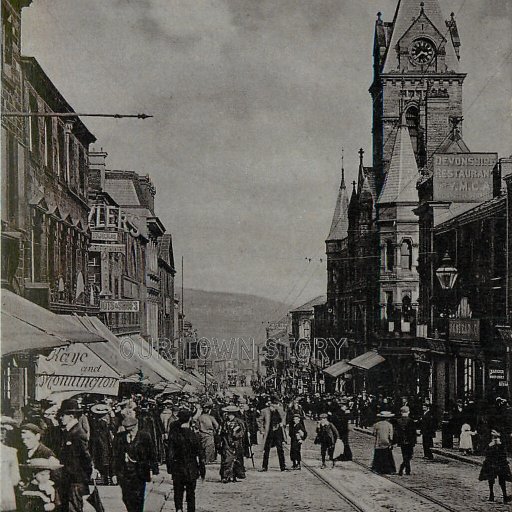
104, 236
464, 177
464, 329
107, 247
119, 306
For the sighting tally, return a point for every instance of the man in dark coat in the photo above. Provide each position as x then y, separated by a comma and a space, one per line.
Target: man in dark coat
428, 431
75, 458
273, 431
185, 461
405, 437
101, 441
134, 459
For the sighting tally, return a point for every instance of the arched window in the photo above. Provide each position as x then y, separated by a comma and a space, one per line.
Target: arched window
406, 255
390, 256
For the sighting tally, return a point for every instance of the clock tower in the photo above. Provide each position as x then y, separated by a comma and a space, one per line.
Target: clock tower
416, 72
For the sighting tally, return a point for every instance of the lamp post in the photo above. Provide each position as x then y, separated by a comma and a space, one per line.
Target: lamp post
446, 275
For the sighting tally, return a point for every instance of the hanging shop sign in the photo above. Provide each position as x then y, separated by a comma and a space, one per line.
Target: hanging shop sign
119, 306
464, 177
74, 368
464, 329
496, 374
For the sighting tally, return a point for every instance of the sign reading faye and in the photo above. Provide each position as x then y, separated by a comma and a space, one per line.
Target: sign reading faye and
74, 368
463, 177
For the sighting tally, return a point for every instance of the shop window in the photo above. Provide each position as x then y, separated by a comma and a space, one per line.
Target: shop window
37, 256
390, 256
7, 31
468, 376
406, 255
33, 125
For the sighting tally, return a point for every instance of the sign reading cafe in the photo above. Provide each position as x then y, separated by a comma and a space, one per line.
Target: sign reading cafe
464, 177
74, 368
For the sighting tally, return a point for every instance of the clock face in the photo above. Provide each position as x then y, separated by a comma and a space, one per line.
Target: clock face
422, 51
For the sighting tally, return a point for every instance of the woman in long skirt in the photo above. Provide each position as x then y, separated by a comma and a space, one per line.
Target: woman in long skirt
383, 461
496, 466
208, 425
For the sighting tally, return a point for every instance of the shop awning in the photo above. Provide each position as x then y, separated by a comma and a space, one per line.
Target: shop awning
193, 380
128, 365
151, 358
28, 326
506, 334
367, 360
338, 369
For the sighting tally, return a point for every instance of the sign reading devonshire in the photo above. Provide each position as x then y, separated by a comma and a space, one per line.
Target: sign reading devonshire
463, 177
119, 306
74, 368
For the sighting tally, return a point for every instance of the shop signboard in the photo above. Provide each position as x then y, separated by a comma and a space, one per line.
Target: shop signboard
496, 374
464, 177
74, 368
119, 306
464, 329
107, 248
104, 236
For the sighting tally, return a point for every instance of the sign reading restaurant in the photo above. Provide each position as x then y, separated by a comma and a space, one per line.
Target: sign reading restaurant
119, 306
464, 177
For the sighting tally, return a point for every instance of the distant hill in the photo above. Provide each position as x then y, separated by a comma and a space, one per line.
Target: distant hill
225, 315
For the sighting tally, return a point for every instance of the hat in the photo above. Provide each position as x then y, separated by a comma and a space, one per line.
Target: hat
40, 464
495, 433
7, 422
208, 403
323, 415
32, 427
129, 422
297, 416
184, 415
69, 405
230, 408
193, 400
100, 409
242, 401
385, 414
405, 410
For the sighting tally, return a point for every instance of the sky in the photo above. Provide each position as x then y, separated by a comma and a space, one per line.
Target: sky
252, 102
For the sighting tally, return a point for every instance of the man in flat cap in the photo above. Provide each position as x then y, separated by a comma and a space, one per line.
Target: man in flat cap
134, 459
74, 456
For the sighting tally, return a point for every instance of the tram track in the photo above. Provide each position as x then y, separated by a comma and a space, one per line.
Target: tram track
344, 497
409, 489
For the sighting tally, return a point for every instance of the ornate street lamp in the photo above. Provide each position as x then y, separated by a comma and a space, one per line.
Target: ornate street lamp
447, 273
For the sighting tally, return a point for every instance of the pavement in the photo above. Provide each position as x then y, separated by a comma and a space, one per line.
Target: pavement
446, 480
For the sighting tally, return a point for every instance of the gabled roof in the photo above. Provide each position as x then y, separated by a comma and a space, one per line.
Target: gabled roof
400, 181
406, 13
308, 306
339, 225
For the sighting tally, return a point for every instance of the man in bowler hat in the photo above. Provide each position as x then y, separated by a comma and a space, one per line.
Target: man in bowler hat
134, 459
74, 457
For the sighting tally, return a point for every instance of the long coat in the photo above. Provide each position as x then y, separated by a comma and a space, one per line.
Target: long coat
184, 456
140, 450
75, 457
266, 415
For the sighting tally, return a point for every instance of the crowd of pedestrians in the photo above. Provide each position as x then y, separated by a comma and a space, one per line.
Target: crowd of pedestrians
53, 456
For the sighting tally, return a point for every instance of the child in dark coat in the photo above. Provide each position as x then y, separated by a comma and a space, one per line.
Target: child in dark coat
297, 435
326, 436
496, 466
